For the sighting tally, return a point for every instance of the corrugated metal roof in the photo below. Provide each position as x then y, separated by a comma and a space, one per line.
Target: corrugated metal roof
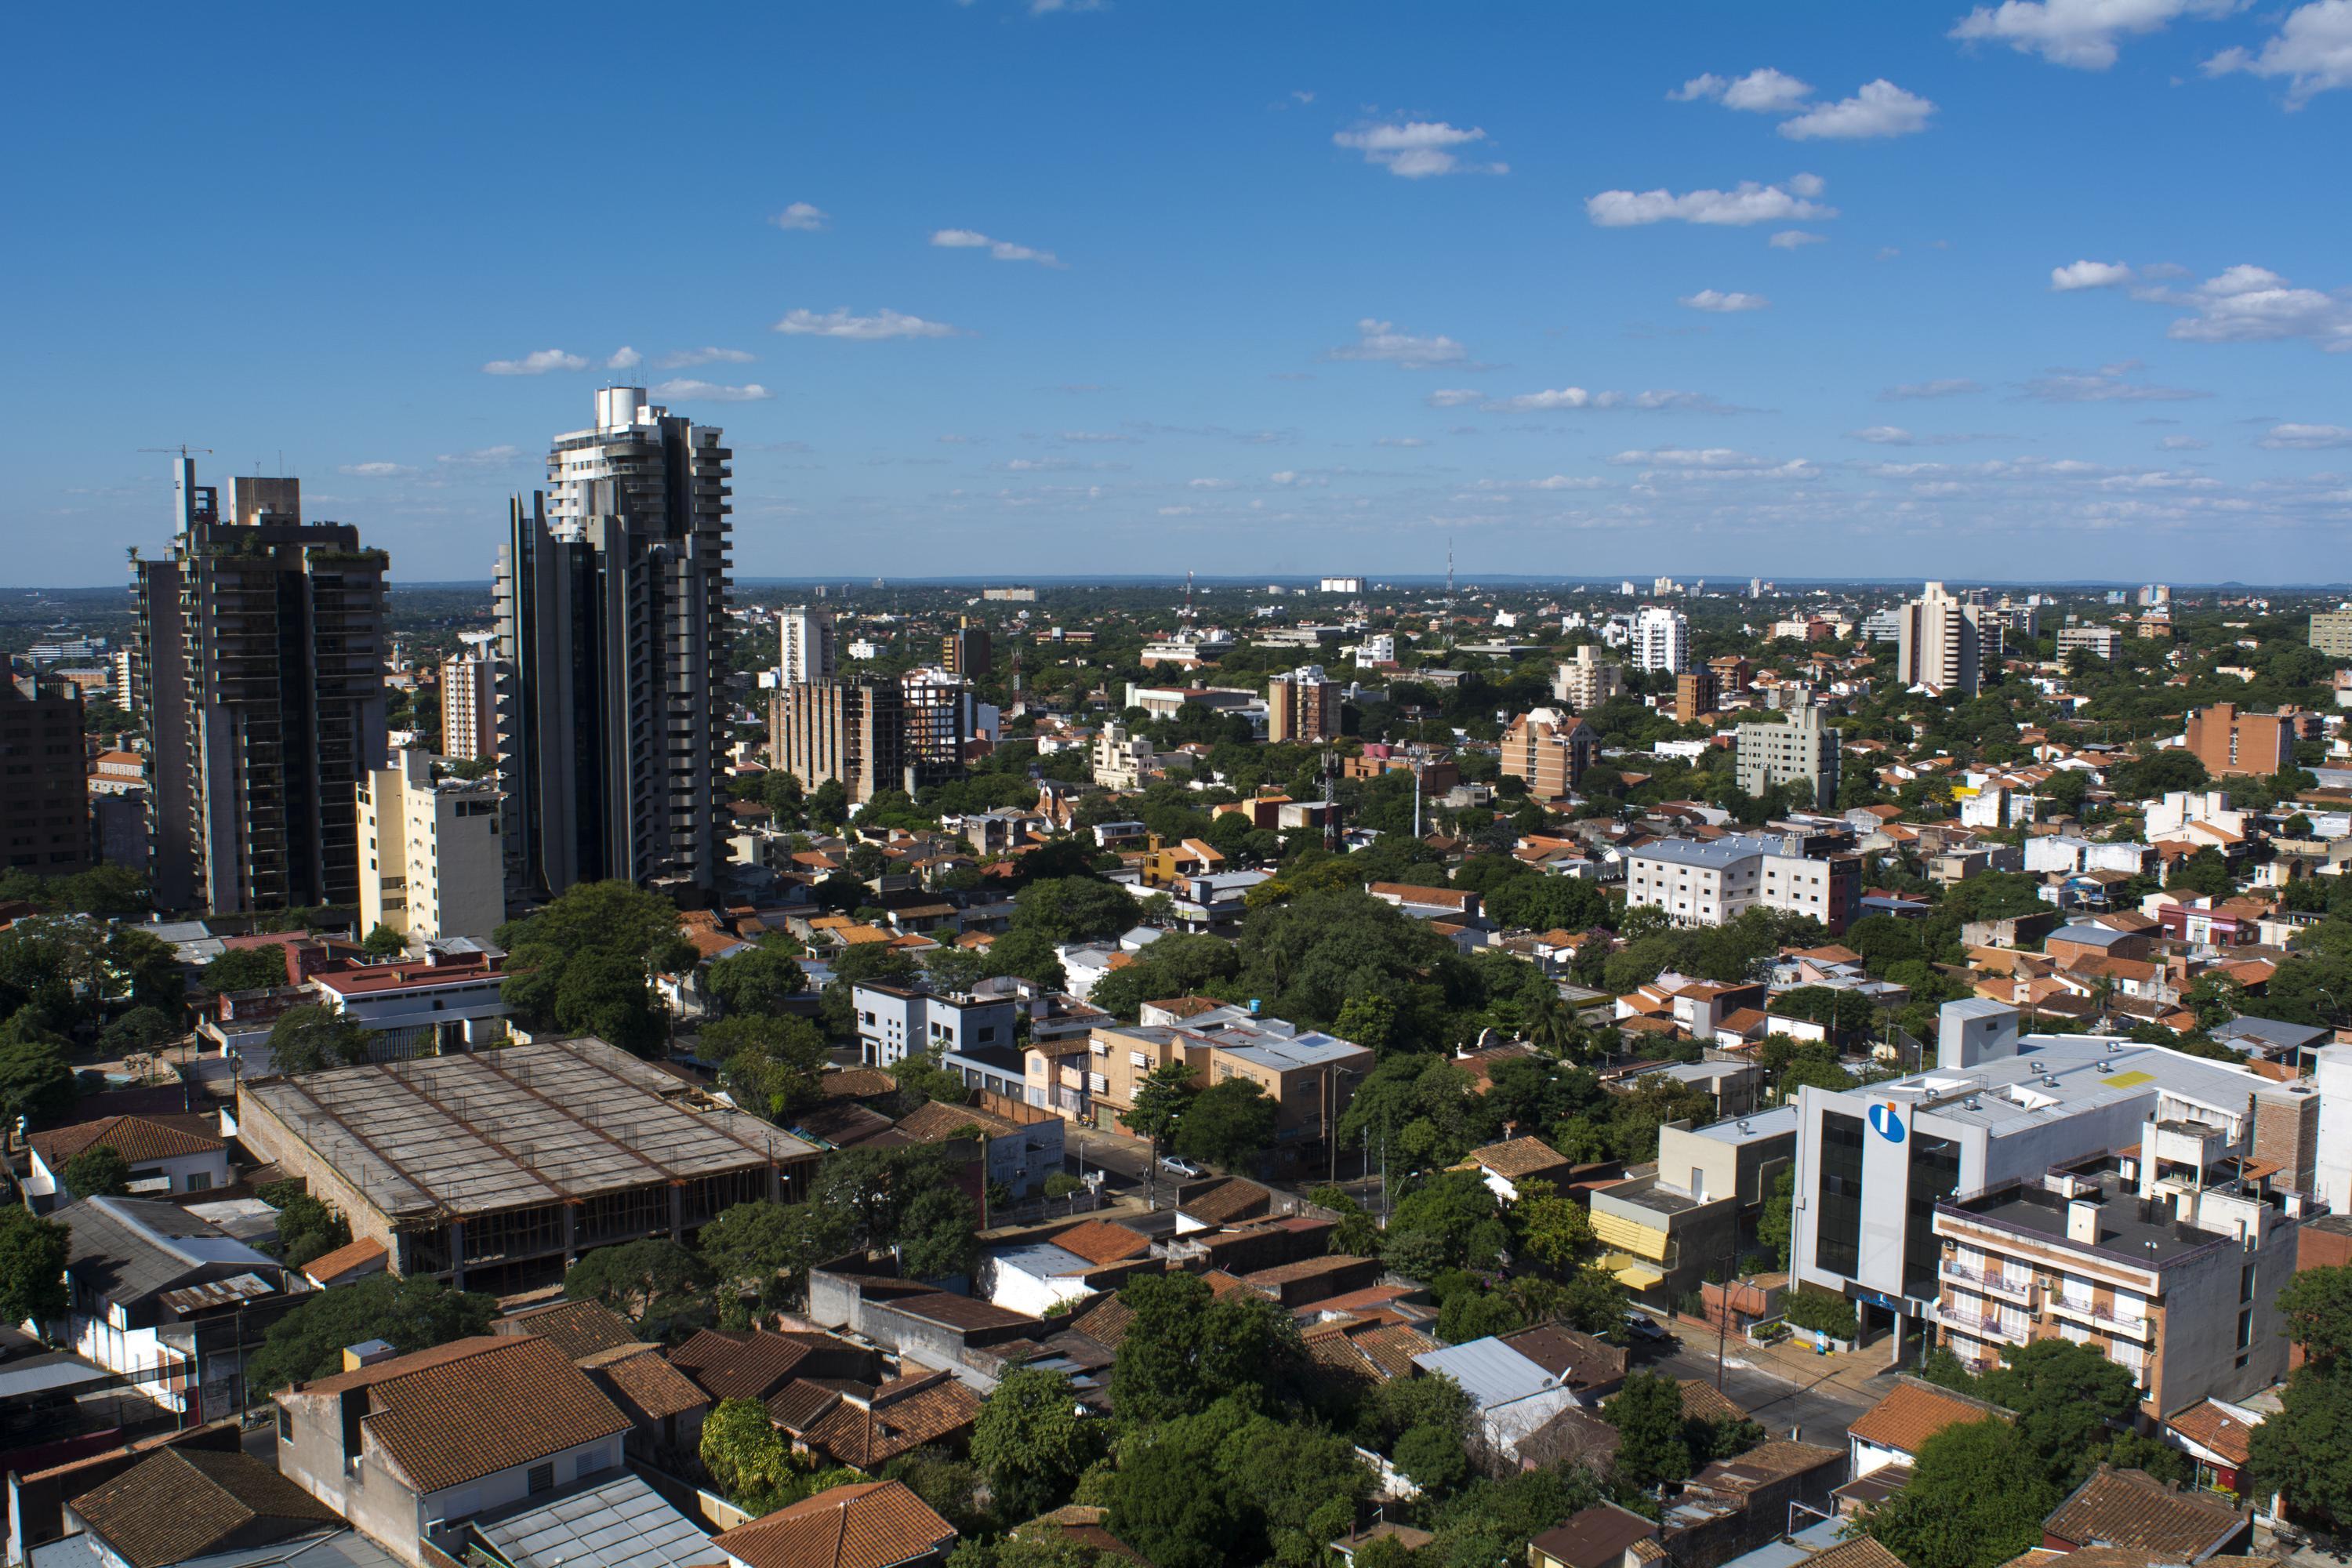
623, 1523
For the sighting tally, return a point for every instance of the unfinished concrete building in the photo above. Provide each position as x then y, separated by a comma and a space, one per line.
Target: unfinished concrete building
496, 1171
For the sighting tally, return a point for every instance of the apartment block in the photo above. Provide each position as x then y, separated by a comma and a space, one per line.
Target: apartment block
2229, 741
261, 658
1551, 750
1732, 673
1711, 882
430, 863
1585, 681
1941, 641
869, 735
44, 783
1302, 705
965, 651
1694, 695
469, 700
1121, 761
807, 647
1093, 1078
895, 1022
1660, 640
1802, 749
611, 597
2100, 642
1998, 1112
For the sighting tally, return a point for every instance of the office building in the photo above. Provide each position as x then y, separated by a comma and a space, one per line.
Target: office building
1713, 882
430, 864
1801, 750
1941, 642
1342, 584
44, 781
1660, 640
1121, 761
1694, 695
2228, 742
1585, 682
2106, 642
806, 647
261, 667
869, 735
1302, 705
469, 700
124, 684
965, 651
611, 592
2028, 1125
1551, 750
502, 1167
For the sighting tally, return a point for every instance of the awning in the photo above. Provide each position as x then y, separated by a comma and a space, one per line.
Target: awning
1638, 1276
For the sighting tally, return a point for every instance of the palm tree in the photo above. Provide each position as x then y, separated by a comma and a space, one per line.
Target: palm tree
1552, 1026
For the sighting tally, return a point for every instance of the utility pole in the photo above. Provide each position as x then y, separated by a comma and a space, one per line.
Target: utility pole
1723, 1311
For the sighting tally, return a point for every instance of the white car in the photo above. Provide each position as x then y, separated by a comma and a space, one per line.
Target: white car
1176, 1164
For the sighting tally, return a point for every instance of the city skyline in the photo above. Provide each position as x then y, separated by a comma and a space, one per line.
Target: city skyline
1588, 295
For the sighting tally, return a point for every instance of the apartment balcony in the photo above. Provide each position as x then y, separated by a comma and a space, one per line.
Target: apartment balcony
2102, 1319
1974, 1321
2019, 1289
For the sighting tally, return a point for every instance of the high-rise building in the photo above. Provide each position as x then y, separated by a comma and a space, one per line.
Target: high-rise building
1803, 750
611, 593
1302, 705
1940, 641
429, 865
44, 780
1694, 695
1585, 682
1660, 640
469, 700
1551, 750
124, 688
806, 645
868, 735
965, 650
2331, 633
2229, 741
261, 670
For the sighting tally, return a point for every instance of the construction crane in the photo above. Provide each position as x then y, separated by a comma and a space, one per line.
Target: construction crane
184, 451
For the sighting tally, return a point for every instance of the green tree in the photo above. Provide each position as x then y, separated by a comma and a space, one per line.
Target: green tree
98, 1172
1073, 909
584, 964
759, 1253
761, 981
1160, 1103
2068, 1399
36, 1084
137, 1032
1774, 1228
312, 1037
1976, 1498
2317, 1306
1452, 1221
772, 1066
33, 1254
306, 1228
246, 969
1229, 1123
1033, 1442
939, 1236
748, 1458
656, 1283
1549, 1230
2303, 1454
1647, 1412
384, 942
1184, 1349
410, 1312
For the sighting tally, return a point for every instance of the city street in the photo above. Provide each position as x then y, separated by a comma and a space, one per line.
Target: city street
1817, 1397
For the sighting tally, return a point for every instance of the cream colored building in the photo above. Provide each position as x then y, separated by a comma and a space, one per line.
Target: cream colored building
430, 864
1585, 682
1120, 760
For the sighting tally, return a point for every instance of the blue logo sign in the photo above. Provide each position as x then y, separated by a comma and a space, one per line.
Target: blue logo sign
1886, 1122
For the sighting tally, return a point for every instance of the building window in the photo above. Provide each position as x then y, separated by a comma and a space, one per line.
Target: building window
1837, 1203
199, 1182
1935, 1176
540, 1478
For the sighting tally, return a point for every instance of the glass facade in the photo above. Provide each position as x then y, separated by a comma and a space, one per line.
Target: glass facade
1935, 1176
1837, 1202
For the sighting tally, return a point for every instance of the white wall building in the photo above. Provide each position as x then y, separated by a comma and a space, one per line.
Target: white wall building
805, 634
1660, 640
430, 856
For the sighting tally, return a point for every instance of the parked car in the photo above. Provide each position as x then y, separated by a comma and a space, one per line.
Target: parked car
1642, 1326
1176, 1164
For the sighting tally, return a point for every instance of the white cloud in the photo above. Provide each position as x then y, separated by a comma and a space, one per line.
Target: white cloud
2312, 49
2077, 33
1764, 92
1949, 387
2255, 305
536, 363
624, 358
840, 324
1877, 108
1790, 239
803, 216
2306, 437
1716, 460
1399, 441
1708, 84
2108, 383
2184, 443
1416, 149
1175, 512
1098, 437
1550, 482
1716, 301
682, 359
1576, 397
480, 457
711, 392
1453, 398
1003, 250
1745, 204
1380, 341
376, 470
1210, 484
1884, 436
2088, 275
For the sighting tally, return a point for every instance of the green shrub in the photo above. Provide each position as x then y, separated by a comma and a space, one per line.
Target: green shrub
1821, 1311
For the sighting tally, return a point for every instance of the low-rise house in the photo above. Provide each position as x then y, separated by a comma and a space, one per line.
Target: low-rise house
1038, 1275
895, 1021
739, 1365
1602, 1536
1512, 1393
666, 1408
1661, 1237
2133, 1509
410, 1448
1019, 1153
166, 1156
870, 1524
443, 1003
866, 1427
1736, 1505
180, 1504
1220, 1202
1512, 1164
1890, 1434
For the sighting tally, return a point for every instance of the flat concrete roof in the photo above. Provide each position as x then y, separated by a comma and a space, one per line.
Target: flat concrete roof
516, 1126
2056, 1076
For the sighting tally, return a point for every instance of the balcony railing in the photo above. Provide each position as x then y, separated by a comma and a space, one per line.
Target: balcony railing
2019, 1289
1968, 1320
2101, 1317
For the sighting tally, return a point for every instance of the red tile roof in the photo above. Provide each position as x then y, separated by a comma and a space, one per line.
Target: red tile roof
1911, 1414
1101, 1242
873, 1524
138, 1139
187, 1502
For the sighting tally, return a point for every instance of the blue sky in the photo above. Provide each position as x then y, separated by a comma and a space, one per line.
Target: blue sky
2042, 291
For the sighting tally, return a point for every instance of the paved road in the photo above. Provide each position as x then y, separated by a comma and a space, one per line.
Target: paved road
1818, 1407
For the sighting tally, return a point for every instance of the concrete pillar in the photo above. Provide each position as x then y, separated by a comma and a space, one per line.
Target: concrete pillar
677, 1210
570, 1233
458, 1255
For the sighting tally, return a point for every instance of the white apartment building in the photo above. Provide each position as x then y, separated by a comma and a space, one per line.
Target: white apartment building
1120, 760
2103, 642
470, 699
1586, 681
430, 860
1804, 749
1943, 640
1660, 640
805, 634
1712, 883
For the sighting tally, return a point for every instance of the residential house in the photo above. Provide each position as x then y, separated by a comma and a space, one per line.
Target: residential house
2134, 1511
868, 1524
1509, 1164
896, 1021
182, 1504
1601, 1536
167, 1156
1036, 1277
1019, 1152
1890, 1434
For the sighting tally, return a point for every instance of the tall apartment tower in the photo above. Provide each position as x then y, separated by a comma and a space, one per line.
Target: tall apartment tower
866, 735
1303, 705
261, 669
1660, 640
804, 639
469, 700
611, 592
1585, 682
44, 781
1802, 750
1939, 642
965, 651
1694, 695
